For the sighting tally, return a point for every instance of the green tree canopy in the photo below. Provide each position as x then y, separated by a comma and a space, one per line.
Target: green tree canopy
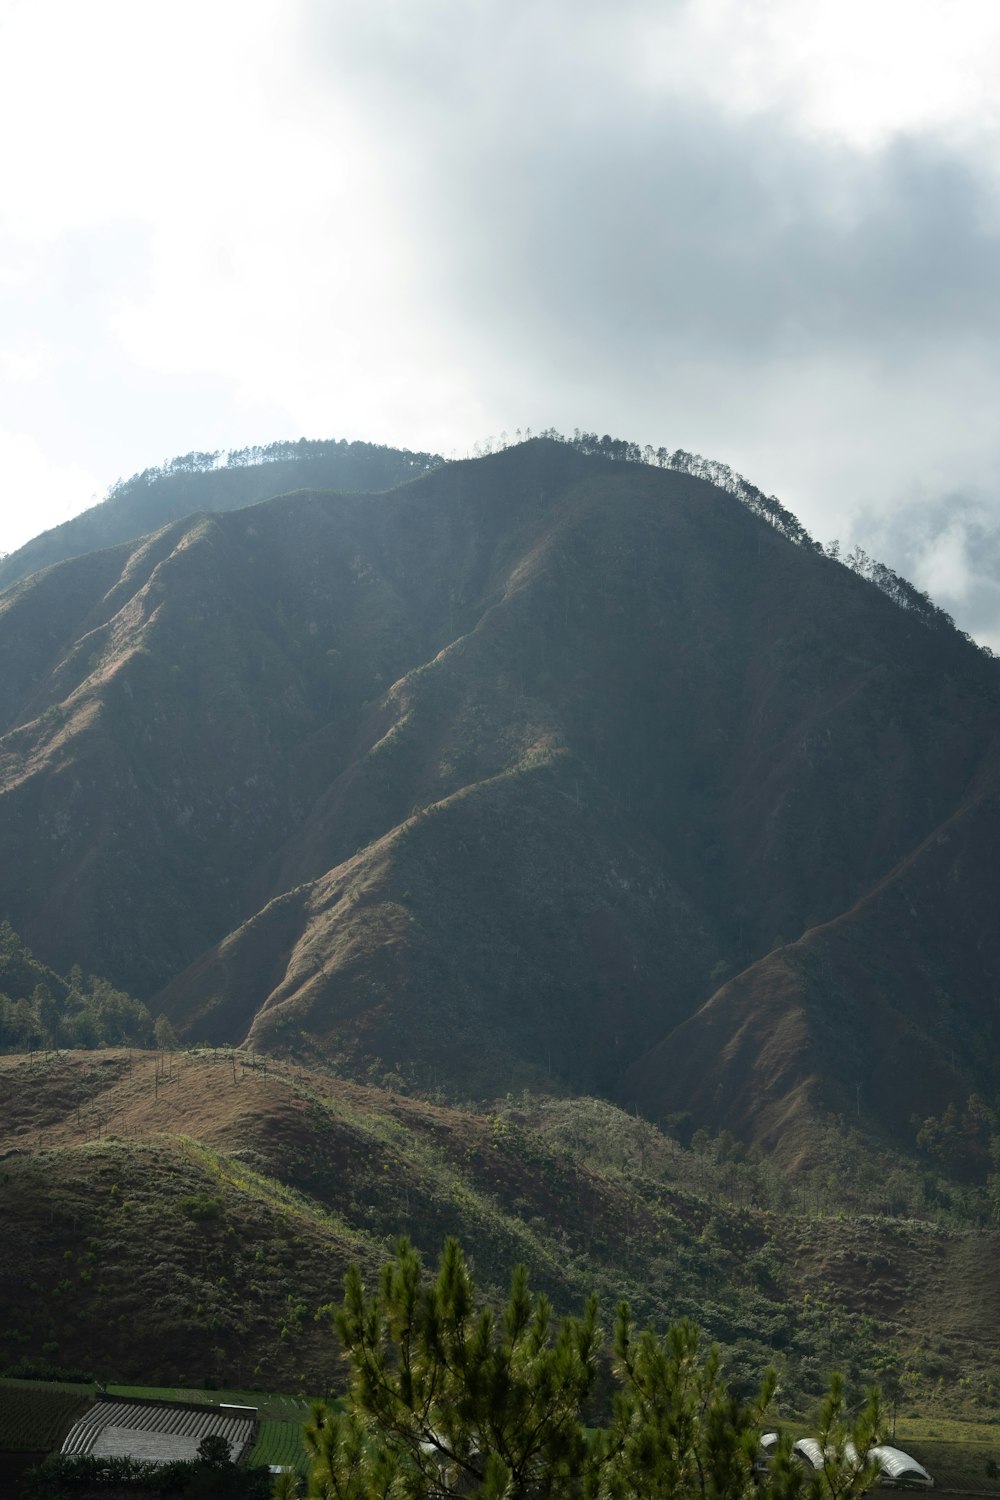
166, 1036
448, 1399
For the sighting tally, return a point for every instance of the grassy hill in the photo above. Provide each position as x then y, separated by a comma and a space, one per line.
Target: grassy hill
177, 1220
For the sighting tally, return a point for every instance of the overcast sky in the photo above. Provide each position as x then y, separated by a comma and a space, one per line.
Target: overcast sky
764, 230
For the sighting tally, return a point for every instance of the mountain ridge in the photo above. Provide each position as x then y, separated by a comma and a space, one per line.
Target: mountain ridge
199, 482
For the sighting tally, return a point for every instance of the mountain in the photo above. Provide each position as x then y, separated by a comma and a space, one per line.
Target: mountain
542, 770
211, 482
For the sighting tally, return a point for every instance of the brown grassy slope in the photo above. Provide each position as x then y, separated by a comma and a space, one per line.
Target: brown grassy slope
885, 1013
166, 732
157, 498
124, 828
503, 936
133, 1249
354, 1151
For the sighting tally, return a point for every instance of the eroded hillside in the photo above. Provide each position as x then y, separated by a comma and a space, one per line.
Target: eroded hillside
539, 770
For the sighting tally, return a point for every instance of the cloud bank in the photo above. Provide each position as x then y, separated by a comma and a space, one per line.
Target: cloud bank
763, 231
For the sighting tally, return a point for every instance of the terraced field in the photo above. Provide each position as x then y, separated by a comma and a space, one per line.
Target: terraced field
280, 1443
279, 1434
155, 1433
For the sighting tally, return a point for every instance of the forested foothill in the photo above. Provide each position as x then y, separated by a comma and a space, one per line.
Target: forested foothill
445, 1395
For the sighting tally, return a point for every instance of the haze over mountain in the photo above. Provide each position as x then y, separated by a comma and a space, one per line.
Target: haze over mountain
541, 769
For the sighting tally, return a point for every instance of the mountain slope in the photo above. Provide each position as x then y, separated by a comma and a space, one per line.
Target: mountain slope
499, 775
891, 1007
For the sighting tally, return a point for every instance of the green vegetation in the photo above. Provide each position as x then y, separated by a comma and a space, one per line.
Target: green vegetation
41, 1369
281, 1443
965, 1142
36, 1415
159, 1256
41, 1009
208, 1477
961, 1455
272, 1406
446, 1399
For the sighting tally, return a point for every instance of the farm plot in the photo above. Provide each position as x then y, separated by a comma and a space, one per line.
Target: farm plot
154, 1433
969, 1468
35, 1415
962, 1456
280, 1443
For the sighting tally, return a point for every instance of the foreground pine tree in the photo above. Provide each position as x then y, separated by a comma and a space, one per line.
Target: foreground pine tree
447, 1400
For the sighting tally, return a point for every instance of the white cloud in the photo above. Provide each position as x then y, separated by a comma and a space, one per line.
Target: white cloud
23, 366
124, 110
275, 255
862, 71
943, 565
36, 493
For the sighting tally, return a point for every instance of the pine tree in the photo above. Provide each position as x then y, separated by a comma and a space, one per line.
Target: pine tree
676, 1430
459, 1403
448, 1400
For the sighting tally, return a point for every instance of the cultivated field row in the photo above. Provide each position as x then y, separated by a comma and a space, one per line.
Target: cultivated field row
171, 1422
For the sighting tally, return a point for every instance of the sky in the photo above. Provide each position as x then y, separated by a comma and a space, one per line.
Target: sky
767, 231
